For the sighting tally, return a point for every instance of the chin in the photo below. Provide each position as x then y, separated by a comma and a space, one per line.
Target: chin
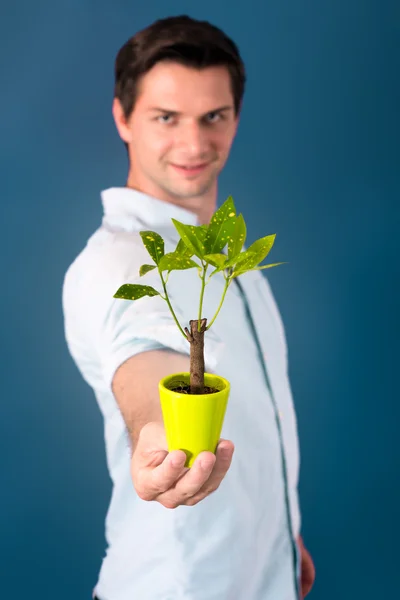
195, 191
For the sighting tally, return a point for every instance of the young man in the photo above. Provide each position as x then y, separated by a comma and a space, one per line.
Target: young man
227, 529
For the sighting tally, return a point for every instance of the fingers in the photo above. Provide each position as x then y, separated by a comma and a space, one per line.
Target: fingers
162, 476
189, 483
166, 475
155, 479
223, 461
153, 469
202, 479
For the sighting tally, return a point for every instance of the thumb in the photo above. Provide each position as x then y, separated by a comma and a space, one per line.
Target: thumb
152, 447
149, 458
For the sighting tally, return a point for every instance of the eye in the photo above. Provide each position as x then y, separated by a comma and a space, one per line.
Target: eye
214, 117
165, 119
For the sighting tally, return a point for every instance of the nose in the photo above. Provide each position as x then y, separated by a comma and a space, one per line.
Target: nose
193, 138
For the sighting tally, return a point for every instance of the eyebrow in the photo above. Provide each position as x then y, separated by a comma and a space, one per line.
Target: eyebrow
177, 114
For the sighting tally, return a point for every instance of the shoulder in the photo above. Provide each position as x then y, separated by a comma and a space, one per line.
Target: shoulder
106, 258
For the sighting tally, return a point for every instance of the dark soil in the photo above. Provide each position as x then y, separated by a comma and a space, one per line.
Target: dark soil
185, 389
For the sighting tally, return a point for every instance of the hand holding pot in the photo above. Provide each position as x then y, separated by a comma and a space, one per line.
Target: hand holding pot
161, 476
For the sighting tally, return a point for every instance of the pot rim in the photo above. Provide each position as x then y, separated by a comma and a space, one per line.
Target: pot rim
185, 375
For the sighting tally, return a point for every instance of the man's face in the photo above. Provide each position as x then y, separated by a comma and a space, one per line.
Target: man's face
180, 131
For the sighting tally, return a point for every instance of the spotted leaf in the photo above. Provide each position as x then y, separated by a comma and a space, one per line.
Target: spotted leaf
173, 261
221, 227
255, 254
268, 266
133, 291
238, 237
193, 237
217, 260
145, 269
154, 244
233, 262
183, 250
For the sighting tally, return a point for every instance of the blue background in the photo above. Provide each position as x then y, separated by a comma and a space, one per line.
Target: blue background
315, 160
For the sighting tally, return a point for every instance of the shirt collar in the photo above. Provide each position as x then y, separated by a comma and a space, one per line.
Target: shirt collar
132, 204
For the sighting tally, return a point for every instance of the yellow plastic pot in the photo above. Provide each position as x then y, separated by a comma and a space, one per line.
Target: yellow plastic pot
193, 422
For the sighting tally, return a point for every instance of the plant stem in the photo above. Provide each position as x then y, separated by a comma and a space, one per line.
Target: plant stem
228, 281
197, 366
203, 285
170, 307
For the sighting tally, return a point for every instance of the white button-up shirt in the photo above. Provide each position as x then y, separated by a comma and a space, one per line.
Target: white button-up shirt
240, 542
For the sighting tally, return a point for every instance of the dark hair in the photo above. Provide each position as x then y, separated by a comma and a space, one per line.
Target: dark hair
182, 40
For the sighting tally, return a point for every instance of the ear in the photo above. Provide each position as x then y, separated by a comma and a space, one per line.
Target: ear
121, 123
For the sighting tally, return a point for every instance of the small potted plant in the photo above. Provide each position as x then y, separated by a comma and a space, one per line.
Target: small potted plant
193, 404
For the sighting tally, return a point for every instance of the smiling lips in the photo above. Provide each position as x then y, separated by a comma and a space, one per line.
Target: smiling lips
190, 169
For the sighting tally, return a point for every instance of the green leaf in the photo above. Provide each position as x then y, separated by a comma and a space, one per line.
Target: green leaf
133, 291
238, 273
193, 236
145, 269
269, 266
235, 243
257, 252
262, 246
200, 231
238, 259
154, 244
217, 260
221, 227
173, 261
233, 262
183, 250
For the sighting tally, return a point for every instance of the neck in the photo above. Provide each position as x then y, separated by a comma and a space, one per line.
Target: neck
203, 206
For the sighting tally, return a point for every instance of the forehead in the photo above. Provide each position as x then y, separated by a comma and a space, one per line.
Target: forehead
185, 89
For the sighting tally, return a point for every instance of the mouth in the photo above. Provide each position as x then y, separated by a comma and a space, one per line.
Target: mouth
190, 169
